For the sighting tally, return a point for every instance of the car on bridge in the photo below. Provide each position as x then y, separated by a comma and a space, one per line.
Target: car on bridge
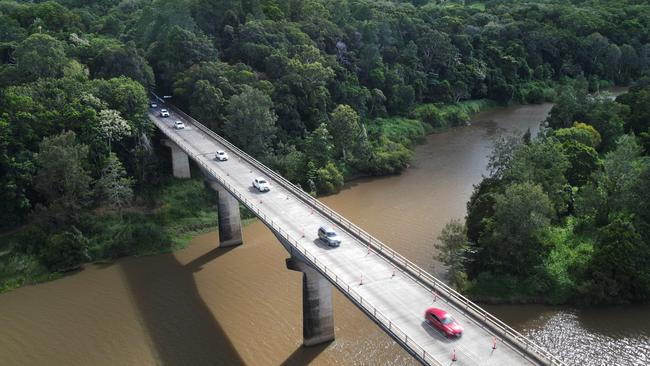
179, 125
221, 155
444, 322
153, 105
329, 236
261, 184
164, 113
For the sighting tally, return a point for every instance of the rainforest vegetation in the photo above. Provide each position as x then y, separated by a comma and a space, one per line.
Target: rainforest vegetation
319, 90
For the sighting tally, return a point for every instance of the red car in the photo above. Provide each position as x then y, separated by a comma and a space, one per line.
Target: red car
443, 321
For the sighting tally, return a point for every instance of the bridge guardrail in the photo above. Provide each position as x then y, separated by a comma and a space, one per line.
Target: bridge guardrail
504, 331
343, 286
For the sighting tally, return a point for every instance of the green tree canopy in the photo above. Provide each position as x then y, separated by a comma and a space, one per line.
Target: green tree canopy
250, 121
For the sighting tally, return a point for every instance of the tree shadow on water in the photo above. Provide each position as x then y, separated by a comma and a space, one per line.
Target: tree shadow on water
180, 325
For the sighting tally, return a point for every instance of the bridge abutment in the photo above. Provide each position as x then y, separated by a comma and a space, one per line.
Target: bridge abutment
317, 310
229, 216
180, 160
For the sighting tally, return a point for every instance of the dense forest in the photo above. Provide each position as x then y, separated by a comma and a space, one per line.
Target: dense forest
319, 90
565, 216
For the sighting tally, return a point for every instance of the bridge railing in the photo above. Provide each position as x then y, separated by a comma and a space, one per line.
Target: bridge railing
297, 248
499, 328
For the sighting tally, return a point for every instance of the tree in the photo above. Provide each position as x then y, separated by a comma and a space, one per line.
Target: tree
618, 269
344, 125
542, 161
452, 247
62, 179
114, 188
638, 100
581, 133
112, 126
513, 241
500, 158
122, 60
40, 56
207, 105
318, 146
583, 160
250, 122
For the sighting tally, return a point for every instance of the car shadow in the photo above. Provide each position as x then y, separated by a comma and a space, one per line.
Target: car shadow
254, 190
321, 244
433, 332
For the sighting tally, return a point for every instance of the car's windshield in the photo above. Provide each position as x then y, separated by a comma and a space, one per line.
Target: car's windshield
163, 110
262, 181
331, 234
447, 319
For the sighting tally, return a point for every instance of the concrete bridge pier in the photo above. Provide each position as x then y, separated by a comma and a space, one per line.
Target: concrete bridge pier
180, 160
229, 217
317, 311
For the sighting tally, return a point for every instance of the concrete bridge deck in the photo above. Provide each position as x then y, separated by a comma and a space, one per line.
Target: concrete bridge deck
392, 291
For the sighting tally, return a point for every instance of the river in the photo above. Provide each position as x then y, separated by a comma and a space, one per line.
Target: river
205, 306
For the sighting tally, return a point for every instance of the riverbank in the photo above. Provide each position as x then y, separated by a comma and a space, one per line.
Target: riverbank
165, 220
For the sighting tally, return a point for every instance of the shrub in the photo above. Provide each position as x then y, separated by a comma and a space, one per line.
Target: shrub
456, 117
65, 251
328, 179
430, 114
535, 96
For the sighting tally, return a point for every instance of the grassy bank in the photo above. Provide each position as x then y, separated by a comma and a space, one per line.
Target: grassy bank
165, 220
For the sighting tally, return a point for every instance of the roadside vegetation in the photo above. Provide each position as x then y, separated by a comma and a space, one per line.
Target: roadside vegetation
162, 219
563, 217
321, 91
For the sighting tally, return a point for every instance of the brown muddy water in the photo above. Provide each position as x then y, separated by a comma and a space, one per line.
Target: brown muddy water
240, 306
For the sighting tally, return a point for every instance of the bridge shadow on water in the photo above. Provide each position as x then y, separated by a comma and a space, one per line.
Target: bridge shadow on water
181, 327
304, 355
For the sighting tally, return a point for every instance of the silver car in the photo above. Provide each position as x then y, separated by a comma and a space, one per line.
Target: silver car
329, 236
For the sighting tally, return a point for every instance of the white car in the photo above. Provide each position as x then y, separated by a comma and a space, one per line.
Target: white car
261, 184
164, 113
179, 125
153, 105
221, 156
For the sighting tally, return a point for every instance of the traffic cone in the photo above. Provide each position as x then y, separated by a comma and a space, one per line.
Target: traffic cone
453, 356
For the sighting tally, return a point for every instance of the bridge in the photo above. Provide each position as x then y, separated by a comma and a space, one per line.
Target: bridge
388, 288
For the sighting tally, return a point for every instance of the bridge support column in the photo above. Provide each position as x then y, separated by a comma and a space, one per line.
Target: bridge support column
317, 311
229, 217
180, 160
